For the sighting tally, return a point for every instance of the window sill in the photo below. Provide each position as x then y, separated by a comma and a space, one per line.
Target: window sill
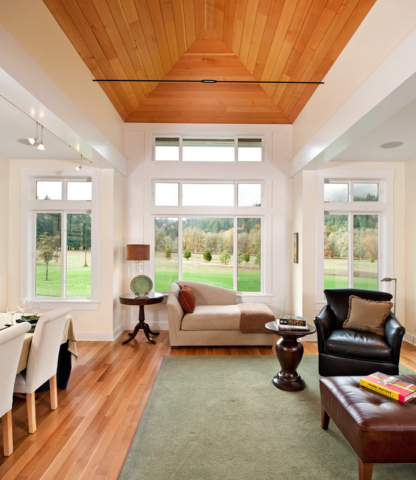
74, 304
254, 297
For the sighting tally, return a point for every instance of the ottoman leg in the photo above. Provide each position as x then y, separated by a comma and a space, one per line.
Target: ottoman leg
365, 472
325, 418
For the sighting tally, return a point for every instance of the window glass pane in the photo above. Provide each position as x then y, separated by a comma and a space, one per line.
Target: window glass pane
167, 149
166, 253
249, 255
366, 252
207, 250
208, 194
336, 192
78, 255
48, 190
208, 150
336, 251
365, 192
79, 191
48, 254
249, 194
249, 149
166, 194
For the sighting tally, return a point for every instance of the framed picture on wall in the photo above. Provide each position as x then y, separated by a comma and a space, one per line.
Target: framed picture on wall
296, 248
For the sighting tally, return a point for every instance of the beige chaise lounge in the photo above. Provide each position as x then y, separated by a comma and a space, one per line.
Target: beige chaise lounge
215, 321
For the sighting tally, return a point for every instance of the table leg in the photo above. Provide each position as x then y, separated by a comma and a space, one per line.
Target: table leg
141, 326
289, 353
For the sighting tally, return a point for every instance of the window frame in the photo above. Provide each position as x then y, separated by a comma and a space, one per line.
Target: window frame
383, 208
30, 206
209, 137
251, 210
235, 218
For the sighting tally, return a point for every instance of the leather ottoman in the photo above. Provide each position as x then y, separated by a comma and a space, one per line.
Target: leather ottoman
378, 429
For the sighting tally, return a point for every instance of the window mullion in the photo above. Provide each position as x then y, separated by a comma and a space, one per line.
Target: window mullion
63, 253
350, 250
235, 255
180, 248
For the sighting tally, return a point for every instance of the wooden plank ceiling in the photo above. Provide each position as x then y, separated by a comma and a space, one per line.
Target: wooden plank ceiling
266, 40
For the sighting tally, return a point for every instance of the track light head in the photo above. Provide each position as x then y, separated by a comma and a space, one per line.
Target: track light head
78, 168
41, 146
33, 140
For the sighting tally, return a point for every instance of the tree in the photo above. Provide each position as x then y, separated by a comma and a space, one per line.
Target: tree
207, 255
244, 242
187, 254
47, 248
246, 257
168, 253
239, 257
225, 257
257, 260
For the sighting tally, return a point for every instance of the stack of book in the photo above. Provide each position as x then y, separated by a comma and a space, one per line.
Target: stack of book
291, 323
391, 387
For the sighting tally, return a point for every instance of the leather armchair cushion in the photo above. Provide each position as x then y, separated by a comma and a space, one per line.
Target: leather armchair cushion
356, 344
338, 300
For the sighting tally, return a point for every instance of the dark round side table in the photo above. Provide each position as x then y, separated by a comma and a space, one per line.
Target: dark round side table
151, 299
289, 352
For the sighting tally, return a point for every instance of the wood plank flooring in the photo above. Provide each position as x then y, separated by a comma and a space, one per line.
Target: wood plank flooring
89, 435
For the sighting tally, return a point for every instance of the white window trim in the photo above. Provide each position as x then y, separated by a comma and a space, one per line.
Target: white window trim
180, 183
265, 271
30, 206
383, 208
208, 137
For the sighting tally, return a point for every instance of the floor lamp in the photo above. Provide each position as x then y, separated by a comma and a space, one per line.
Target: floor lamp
388, 279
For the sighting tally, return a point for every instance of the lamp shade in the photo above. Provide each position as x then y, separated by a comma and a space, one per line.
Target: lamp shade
138, 252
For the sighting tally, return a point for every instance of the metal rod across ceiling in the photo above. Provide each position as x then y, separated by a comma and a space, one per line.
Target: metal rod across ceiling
202, 81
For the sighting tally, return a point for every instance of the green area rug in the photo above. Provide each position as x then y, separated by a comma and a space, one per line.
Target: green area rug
220, 418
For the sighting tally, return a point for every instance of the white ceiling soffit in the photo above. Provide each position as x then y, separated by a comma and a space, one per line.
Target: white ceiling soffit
389, 89
400, 127
25, 84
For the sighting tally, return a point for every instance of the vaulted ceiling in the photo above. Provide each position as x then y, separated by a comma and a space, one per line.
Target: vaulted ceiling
267, 40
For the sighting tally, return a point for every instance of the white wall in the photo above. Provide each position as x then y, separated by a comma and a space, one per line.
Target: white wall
410, 252
101, 324
274, 171
304, 218
4, 240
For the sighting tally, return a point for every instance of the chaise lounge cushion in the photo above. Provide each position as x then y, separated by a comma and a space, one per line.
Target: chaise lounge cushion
212, 317
355, 344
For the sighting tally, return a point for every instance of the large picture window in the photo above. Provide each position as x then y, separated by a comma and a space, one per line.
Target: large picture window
59, 263
207, 252
354, 229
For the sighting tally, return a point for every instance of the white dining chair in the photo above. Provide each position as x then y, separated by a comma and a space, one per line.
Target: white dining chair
42, 362
11, 342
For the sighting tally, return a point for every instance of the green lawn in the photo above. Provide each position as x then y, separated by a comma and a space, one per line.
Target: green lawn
213, 273
78, 277
336, 274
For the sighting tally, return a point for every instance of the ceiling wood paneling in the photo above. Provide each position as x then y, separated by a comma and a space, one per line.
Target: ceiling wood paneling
268, 40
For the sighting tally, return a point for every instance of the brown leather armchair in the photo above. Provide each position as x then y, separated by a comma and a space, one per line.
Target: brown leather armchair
350, 352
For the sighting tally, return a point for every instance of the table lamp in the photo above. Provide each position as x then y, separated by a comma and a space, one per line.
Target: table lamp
388, 279
141, 285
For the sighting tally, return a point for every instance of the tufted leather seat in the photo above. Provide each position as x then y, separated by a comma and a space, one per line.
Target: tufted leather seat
379, 429
351, 352
355, 344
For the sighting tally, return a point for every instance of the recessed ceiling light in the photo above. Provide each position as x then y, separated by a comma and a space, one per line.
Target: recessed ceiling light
391, 145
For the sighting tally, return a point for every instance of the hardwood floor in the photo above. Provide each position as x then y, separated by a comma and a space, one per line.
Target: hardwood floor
89, 435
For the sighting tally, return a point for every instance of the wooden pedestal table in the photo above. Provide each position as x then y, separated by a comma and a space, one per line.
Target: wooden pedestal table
289, 352
151, 299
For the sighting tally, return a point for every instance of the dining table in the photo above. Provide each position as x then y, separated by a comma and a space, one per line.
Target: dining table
68, 354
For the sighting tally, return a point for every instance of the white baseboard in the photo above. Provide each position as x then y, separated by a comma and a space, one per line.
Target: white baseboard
118, 331
83, 336
409, 338
153, 325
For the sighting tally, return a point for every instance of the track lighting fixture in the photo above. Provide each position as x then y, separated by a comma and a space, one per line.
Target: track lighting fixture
79, 166
41, 146
33, 140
